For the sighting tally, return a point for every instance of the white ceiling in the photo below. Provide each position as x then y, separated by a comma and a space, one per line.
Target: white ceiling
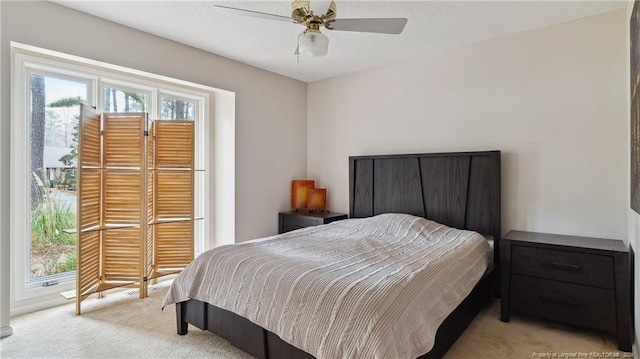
433, 26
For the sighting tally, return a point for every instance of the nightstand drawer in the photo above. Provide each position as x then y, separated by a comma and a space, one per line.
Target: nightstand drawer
573, 267
569, 303
291, 223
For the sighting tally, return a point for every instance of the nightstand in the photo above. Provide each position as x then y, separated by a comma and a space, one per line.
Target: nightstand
577, 280
288, 221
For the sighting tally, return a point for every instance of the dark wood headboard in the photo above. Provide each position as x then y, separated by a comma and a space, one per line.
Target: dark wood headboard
458, 189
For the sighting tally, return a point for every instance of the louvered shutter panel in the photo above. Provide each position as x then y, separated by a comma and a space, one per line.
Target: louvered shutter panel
89, 216
173, 142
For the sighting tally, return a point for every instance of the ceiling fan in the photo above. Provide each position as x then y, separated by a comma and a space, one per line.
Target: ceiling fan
305, 12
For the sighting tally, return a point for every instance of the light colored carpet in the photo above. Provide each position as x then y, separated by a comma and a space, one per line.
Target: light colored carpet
488, 337
122, 326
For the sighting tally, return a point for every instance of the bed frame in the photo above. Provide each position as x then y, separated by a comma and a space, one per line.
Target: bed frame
460, 189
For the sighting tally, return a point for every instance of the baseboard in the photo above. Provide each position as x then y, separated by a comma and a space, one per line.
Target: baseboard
24, 309
634, 348
6, 331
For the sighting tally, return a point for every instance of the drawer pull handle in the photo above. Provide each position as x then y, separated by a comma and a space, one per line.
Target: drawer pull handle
566, 303
564, 266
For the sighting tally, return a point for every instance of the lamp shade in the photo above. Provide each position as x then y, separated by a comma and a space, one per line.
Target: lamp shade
314, 44
300, 192
317, 199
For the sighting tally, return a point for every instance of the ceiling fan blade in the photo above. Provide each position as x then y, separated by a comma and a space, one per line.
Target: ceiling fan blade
251, 13
380, 26
319, 7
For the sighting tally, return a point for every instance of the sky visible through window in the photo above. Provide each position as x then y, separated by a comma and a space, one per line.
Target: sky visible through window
60, 121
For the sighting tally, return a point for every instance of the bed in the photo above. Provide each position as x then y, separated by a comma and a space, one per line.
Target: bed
460, 190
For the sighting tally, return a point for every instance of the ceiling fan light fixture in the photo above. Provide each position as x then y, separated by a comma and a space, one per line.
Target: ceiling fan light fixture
315, 14
314, 44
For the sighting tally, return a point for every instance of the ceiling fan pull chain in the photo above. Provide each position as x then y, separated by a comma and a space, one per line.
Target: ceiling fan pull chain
298, 48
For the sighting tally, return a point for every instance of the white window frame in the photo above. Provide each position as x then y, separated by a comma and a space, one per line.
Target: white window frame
26, 62
24, 67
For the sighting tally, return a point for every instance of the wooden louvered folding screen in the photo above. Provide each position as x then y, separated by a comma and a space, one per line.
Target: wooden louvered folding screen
135, 200
173, 194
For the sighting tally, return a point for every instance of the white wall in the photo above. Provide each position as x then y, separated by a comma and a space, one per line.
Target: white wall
553, 100
270, 110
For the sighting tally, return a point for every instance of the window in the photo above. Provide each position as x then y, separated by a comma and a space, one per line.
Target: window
121, 100
54, 109
176, 109
44, 141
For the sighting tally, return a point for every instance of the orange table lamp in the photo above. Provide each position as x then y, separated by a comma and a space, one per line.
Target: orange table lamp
300, 193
